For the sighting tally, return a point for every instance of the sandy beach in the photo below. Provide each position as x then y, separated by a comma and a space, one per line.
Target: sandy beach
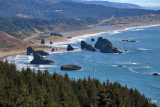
56, 39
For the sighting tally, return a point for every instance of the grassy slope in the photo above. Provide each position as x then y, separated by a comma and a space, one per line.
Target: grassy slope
8, 42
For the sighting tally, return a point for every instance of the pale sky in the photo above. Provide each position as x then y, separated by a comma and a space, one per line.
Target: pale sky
139, 2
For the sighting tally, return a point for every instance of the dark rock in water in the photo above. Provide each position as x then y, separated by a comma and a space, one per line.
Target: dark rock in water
92, 39
53, 49
56, 34
125, 40
86, 46
70, 48
42, 41
43, 53
29, 50
126, 50
109, 49
70, 67
119, 65
156, 74
38, 59
101, 42
106, 46
69, 38
51, 42
132, 41
129, 41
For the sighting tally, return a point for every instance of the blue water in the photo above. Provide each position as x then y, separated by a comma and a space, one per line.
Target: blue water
141, 60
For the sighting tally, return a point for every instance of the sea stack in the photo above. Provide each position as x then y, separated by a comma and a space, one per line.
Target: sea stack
86, 46
38, 59
29, 50
53, 49
70, 48
92, 39
42, 41
106, 46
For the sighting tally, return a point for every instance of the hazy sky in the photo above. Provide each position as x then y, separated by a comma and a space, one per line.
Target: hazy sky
139, 2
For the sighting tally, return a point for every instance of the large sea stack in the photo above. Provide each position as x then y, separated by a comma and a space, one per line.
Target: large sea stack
70, 48
70, 67
86, 46
106, 46
38, 59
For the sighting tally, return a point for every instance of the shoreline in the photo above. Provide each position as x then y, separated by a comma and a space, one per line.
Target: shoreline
5, 54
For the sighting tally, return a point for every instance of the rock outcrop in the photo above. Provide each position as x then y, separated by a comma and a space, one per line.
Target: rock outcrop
42, 41
156, 74
53, 49
109, 49
129, 41
69, 38
106, 46
86, 46
70, 48
56, 34
92, 39
38, 59
43, 53
29, 50
70, 67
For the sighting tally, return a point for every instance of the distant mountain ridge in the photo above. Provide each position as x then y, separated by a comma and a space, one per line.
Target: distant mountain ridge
52, 9
112, 4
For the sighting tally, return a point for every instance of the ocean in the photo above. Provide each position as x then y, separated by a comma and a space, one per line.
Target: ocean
133, 68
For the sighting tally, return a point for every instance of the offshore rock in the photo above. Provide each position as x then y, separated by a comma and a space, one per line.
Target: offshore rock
42, 41
86, 46
70, 48
29, 50
70, 67
92, 39
156, 74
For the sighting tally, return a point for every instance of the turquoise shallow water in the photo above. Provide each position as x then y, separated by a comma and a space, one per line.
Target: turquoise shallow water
142, 59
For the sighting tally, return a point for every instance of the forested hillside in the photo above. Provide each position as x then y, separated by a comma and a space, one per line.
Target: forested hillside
21, 27
52, 9
28, 88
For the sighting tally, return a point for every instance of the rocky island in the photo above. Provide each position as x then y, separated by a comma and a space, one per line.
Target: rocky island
70, 67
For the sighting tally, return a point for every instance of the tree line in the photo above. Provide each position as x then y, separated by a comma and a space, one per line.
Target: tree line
30, 88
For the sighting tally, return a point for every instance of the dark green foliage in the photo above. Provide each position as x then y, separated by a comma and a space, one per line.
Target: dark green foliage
38, 89
14, 26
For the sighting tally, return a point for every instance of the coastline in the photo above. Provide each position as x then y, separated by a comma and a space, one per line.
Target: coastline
4, 54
